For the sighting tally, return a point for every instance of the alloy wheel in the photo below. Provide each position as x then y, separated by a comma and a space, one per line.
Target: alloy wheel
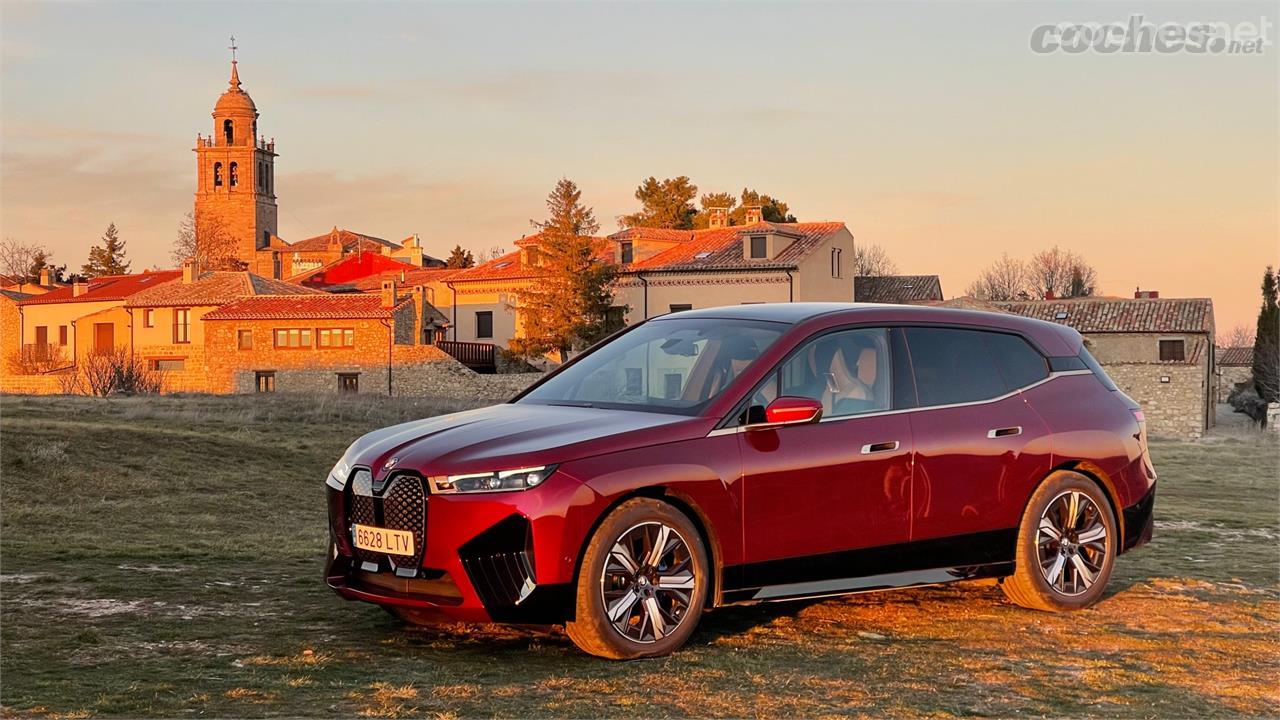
648, 582
1072, 543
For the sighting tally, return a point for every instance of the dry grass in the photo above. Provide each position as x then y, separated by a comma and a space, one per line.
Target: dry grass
162, 558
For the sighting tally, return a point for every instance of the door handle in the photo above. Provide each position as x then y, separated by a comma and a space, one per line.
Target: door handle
1004, 432
880, 447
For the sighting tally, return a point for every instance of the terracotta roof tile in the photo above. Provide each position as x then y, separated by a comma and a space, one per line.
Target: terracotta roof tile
320, 306
1241, 356
1121, 315
899, 289
721, 248
107, 287
213, 288
350, 241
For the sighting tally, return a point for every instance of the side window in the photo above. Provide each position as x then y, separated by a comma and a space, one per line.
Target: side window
952, 366
848, 371
1019, 363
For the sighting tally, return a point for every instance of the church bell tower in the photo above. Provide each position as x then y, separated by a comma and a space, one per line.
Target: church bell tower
235, 207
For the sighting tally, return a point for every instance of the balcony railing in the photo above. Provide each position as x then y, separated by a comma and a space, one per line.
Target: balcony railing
481, 357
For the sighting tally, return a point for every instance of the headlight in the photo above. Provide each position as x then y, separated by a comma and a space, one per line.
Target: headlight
500, 481
341, 471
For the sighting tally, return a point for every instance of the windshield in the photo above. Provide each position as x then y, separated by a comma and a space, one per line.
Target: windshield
671, 366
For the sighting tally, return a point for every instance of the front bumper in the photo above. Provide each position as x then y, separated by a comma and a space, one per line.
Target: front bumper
492, 557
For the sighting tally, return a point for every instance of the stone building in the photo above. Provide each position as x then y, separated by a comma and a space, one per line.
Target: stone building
1159, 351
897, 289
1235, 365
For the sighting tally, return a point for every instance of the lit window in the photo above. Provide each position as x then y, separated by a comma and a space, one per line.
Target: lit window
265, 381
335, 337
293, 337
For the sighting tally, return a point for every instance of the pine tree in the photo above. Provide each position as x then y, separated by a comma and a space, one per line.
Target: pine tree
1266, 344
569, 307
460, 258
107, 258
664, 204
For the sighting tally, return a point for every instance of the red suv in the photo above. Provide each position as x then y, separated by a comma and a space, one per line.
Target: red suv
753, 453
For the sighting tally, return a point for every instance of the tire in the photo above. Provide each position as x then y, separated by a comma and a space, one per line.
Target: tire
1069, 571
673, 589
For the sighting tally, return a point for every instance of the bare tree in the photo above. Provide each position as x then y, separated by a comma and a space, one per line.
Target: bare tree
492, 253
872, 261
18, 258
1238, 336
208, 241
118, 372
1062, 273
1004, 279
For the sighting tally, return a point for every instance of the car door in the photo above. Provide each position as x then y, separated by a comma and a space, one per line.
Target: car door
813, 492
979, 445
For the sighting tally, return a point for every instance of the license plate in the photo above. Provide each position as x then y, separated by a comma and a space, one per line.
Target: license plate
394, 542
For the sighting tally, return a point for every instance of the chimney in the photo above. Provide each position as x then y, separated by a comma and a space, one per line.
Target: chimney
755, 214
190, 271
46, 277
79, 287
1140, 294
1048, 295
717, 217
388, 293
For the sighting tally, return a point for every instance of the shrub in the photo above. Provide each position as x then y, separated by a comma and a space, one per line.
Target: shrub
38, 359
118, 372
1244, 399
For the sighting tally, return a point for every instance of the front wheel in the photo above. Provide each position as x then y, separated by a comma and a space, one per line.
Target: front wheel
643, 583
1066, 546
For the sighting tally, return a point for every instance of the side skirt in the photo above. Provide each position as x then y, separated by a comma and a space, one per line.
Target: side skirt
923, 562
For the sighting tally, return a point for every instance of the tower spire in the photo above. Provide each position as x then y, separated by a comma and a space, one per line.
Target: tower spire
235, 74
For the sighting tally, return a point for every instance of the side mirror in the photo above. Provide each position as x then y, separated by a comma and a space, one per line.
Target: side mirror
789, 410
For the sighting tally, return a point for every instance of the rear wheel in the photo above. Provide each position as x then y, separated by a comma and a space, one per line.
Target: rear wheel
643, 583
1066, 546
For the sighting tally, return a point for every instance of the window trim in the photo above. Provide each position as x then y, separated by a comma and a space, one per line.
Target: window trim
259, 376
186, 339
310, 339
240, 333
341, 332
728, 423
751, 247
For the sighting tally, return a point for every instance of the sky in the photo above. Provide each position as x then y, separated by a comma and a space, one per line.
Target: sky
930, 129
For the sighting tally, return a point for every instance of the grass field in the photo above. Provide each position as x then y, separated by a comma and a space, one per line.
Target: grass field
162, 557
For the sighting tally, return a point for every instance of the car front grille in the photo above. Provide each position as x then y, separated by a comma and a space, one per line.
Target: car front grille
400, 505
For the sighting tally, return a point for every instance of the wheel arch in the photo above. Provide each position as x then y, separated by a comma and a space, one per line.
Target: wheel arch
1100, 478
681, 502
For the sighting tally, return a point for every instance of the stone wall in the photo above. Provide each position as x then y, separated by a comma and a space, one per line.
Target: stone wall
1174, 409
1229, 376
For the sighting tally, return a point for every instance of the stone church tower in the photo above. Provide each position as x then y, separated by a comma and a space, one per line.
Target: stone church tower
235, 188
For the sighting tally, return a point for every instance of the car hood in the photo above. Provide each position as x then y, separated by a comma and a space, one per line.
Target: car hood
516, 435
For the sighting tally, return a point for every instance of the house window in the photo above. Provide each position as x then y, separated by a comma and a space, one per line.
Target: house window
42, 341
62, 335
534, 259
1173, 350
293, 337
244, 339
628, 253
349, 382
759, 248
835, 262
484, 324
335, 337
265, 381
671, 385
182, 325
680, 307
149, 317
168, 364
217, 174
234, 174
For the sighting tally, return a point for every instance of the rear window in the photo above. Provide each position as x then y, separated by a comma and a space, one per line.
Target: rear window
952, 366
1098, 372
1019, 363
